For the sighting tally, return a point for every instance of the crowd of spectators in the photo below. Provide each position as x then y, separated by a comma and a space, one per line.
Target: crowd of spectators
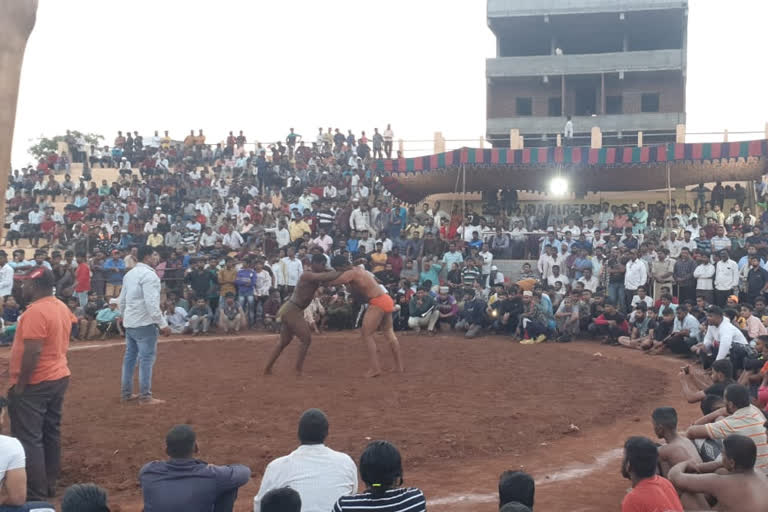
235, 228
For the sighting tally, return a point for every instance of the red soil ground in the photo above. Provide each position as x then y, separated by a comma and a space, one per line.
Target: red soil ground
463, 412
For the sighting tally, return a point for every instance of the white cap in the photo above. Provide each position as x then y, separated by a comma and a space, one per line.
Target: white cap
114, 301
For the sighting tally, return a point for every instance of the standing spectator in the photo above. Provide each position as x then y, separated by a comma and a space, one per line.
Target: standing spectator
6, 275
13, 475
683, 276
650, 492
757, 279
636, 275
114, 269
568, 132
381, 469
84, 498
291, 269
704, 272
82, 280
320, 474
726, 278
142, 317
186, 483
39, 377
389, 136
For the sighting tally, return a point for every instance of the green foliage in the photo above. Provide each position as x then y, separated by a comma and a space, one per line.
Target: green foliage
47, 145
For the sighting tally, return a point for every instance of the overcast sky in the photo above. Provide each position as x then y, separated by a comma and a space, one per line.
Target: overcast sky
266, 65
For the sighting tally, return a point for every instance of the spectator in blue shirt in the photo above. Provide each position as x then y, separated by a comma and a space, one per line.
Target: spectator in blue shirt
353, 243
189, 484
114, 268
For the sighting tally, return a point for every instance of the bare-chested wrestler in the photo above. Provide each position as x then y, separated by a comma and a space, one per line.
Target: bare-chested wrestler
676, 450
364, 287
743, 489
292, 312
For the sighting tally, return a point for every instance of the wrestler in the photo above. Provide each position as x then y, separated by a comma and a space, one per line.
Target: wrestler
364, 287
291, 313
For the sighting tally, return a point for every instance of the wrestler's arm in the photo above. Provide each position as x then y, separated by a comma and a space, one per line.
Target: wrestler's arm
319, 277
344, 278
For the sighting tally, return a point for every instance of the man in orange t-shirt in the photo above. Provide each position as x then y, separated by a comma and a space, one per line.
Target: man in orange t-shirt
650, 492
39, 379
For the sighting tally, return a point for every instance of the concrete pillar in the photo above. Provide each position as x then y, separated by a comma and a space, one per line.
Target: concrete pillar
481, 140
639, 139
560, 140
597, 138
725, 135
522, 142
400, 148
680, 133
766, 130
602, 94
439, 143
514, 139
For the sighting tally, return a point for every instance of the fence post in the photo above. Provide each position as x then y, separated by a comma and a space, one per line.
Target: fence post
680, 133
597, 138
639, 139
439, 145
559, 140
725, 135
482, 142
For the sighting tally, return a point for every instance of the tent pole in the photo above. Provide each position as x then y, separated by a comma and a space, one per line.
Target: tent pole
464, 190
669, 194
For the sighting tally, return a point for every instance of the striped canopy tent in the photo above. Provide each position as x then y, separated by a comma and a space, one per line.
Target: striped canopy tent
587, 170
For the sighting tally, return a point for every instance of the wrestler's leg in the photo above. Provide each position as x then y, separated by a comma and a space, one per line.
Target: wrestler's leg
371, 321
394, 345
286, 335
304, 334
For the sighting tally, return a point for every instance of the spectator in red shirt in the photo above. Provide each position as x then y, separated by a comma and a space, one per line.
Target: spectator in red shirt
82, 280
650, 492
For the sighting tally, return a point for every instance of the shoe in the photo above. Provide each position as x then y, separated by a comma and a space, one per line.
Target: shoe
527, 341
565, 338
130, 398
150, 401
540, 338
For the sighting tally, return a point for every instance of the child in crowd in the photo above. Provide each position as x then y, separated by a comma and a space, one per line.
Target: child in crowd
108, 320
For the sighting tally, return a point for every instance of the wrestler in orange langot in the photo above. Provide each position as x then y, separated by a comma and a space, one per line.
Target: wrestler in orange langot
363, 286
291, 314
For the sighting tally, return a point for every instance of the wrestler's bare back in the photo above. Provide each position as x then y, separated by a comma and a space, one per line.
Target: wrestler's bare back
308, 284
362, 284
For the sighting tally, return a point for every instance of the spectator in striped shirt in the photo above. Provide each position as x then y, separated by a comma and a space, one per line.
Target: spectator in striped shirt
381, 469
742, 489
745, 419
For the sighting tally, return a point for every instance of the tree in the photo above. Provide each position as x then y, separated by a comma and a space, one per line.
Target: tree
47, 145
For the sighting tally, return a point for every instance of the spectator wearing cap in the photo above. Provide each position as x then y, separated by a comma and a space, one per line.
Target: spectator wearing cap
108, 319
114, 268
319, 474
184, 482
39, 377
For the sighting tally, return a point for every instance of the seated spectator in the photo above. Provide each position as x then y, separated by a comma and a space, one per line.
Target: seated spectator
108, 319
505, 312
13, 474
84, 498
641, 296
641, 329
176, 316
610, 325
744, 419
472, 318
696, 388
567, 317
447, 308
753, 326
319, 474
232, 316
283, 499
743, 488
535, 318
381, 469
423, 312
516, 487
650, 492
726, 338
186, 483
200, 317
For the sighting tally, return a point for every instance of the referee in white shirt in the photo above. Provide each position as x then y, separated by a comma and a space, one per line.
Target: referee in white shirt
140, 307
320, 475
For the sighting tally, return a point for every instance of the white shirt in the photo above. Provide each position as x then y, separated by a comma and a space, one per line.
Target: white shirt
283, 237
359, 220
487, 261
674, 248
726, 275
35, 217
605, 218
568, 130
590, 284
388, 135
636, 274
323, 241
320, 475
6, 280
703, 274
329, 192
726, 334
12, 456
386, 245
233, 240
292, 269
208, 240
140, 298
263, 283
552, 279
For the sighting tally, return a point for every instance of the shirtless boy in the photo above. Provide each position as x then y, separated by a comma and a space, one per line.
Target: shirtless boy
292, 312
676, 450
743, 489
364, 287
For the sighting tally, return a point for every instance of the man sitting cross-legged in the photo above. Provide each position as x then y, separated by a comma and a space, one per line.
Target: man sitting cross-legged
743, 489
642, 327
677, 449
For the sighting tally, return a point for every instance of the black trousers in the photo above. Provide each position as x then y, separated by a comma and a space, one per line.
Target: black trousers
36, 422
680, 344
721, 297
